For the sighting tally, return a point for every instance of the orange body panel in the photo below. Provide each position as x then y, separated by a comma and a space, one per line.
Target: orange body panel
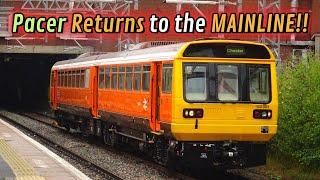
153, 105
135, 104
83, 97
79, 97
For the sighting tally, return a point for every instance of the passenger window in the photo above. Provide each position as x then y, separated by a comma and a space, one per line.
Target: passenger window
73, 79
107, 77
69, 79
82, 78
146, 78
101, 78
61, 78
137, 78
114, 77
121, 78
166, 78
78, 78
59, 75
86, 78
65, 79
51, 79
129, 78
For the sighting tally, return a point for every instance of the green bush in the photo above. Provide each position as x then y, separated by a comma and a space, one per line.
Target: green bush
299, 112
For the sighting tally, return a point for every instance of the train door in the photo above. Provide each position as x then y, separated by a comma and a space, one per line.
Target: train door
54, 84
155, 97
94, 91
158, 89
164, 93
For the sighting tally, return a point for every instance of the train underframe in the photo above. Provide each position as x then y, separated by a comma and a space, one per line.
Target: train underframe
164, 149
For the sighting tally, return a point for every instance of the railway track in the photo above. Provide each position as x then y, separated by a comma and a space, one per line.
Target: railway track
48, 120
64, 151
249, 173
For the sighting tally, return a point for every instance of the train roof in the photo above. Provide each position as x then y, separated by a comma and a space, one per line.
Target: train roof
151, 54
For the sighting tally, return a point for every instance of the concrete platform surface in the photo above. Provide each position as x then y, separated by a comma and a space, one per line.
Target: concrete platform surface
23, 158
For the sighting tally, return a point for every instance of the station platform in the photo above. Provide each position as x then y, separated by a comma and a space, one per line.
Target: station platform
23, 158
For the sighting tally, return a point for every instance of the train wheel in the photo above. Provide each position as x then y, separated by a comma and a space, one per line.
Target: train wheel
106, 137
113, 139
164, 154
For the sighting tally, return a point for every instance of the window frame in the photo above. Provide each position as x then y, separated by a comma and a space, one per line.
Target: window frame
238, 79
126, 77
121, 74
107, 69
134, 73
77, 78
142, 76
65, 78
69, 79
213, 65
162, 77
184, 79
268, 66
114, 86
99, 77
82, 78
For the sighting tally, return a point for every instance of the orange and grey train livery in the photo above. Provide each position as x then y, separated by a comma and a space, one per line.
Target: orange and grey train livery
213, 101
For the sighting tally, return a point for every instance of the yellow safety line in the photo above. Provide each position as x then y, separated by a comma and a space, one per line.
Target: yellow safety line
19, 166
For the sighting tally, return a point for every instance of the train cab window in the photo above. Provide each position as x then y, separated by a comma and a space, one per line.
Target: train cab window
228, 88
107, 77
82, 74
259, 84
101, 78
129, 78
86, 78
166, 78
137, 78
195, 80
114, 75
121, 77
146, 78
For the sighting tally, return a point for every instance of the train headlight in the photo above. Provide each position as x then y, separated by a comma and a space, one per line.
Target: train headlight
262, 114
192, 113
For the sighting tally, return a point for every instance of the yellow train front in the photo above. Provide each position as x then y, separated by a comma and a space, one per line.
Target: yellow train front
224, 103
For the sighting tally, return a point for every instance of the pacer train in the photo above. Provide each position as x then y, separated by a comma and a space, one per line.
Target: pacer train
201, 102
